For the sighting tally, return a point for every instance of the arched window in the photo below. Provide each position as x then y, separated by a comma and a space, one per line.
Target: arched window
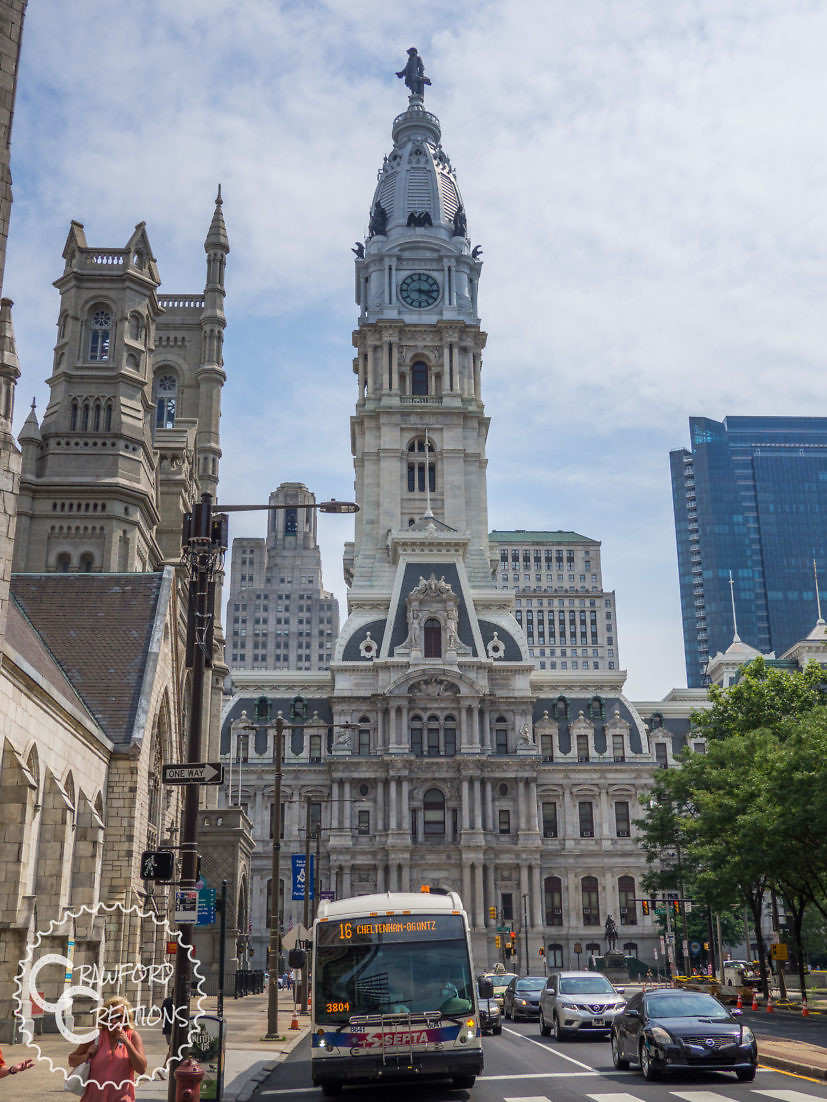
597, 709
416, 468
96, 420
433, 805
449, 736
591, 901
554, 955
107, 421
136, 327
630, 948
100, 334
419, 378
87, 563
64, 563
593, 947
655, 721
433, 639
626, 897
84, 421
553, 898
73, 416
166, 401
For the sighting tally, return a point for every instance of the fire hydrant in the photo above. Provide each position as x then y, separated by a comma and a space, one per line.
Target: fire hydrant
188, 1076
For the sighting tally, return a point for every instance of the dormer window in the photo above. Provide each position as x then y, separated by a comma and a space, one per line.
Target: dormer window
433, 639
100, 335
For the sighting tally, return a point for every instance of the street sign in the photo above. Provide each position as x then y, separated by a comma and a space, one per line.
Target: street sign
502, 929
779, 951
201, 772
157, 864
206, 907
695, 947
687, 906
297, 861
186, 905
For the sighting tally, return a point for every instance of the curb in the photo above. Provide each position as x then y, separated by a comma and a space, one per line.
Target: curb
783, 1064
247, 1087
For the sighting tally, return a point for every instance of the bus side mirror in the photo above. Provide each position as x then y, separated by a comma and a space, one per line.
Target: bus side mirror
486, 989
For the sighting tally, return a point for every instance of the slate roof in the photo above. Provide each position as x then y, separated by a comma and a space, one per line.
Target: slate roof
98, 628
519, 536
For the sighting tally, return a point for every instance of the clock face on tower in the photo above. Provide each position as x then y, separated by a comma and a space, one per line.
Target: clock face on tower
419, 290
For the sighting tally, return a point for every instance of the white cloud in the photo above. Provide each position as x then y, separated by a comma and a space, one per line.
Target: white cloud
646, 180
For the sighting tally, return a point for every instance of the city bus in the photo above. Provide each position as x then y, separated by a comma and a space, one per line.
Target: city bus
393, 991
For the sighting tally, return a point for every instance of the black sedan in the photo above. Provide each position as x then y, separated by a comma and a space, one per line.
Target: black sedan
522, 997
673, 1029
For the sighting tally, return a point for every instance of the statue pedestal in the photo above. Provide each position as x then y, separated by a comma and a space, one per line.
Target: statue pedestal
614, 966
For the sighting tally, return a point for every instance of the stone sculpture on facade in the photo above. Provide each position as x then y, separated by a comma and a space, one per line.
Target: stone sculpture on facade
359, 250
611, 933
460, 223
378, 224
414, 73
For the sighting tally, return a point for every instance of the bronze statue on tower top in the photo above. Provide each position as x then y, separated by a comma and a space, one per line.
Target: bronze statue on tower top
414, 73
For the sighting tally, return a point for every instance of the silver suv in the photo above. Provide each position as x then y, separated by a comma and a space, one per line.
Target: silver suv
579, 1002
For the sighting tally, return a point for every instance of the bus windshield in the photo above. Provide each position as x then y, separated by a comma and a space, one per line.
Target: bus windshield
391, 967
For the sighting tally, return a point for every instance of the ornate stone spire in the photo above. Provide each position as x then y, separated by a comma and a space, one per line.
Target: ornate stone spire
217, 235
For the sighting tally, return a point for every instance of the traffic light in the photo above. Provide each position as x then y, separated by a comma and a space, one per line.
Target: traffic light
676, 906
542, 950
157, 865
498, 941
644, 904
492, 913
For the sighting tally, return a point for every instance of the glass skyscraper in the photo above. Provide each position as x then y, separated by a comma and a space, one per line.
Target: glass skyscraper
750, 498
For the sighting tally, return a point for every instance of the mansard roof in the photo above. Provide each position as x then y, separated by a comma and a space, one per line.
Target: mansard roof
97, 628
521, 536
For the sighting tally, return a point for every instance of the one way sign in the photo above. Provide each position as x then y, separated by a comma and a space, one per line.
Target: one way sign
201, 772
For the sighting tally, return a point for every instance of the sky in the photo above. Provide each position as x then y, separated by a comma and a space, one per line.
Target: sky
646, 179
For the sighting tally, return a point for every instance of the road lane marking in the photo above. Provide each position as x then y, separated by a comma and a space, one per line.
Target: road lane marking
542, 1075
616, 1097
548, 1048
529, 1098
292, 1090
701, 1096
789, 1096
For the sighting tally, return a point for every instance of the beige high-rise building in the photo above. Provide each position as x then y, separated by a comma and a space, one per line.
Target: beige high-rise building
279, 615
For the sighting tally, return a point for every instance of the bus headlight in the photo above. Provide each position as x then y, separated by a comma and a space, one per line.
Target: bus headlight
471, 1027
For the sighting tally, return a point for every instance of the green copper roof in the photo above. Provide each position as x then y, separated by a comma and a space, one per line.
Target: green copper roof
521, 536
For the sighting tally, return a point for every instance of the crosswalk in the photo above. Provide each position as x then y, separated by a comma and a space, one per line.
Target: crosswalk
685, 1096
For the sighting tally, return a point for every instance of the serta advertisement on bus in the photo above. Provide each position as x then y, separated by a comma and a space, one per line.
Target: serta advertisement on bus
393, 991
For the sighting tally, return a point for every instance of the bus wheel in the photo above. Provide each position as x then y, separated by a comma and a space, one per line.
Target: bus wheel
464, 1082
331, 1090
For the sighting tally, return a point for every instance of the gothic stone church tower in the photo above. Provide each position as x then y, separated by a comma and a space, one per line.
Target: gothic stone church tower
130, 436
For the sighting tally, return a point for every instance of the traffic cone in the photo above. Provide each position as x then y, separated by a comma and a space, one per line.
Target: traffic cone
805, 1012
769, 1004
295, 1023
739, 1004
754, 1001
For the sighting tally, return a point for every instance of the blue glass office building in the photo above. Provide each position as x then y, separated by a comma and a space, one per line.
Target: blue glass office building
749, 497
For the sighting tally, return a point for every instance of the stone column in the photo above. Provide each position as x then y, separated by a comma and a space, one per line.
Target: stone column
392, 824
477, 803
524, 890
537, 894
533, 806
380, 804
479, 916
404, 811
466, 885
466, 810
489, 803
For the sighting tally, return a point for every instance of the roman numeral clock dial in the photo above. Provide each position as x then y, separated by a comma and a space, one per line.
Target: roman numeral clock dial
419, 290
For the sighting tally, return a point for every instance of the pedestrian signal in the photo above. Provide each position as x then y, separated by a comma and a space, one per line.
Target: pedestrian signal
157, 864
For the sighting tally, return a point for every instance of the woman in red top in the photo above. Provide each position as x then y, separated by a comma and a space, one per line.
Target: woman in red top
115, 1055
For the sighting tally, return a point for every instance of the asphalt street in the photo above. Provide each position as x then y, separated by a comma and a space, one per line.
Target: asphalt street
522, 1066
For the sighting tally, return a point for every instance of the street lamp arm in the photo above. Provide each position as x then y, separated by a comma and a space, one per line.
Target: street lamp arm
332, 506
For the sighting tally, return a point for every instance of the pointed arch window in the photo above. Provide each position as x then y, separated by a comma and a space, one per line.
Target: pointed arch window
433, 638
107, 422
84, 422
96, 420
166, 401
100, 335
73, 417
433, 806
64, 563
87, 563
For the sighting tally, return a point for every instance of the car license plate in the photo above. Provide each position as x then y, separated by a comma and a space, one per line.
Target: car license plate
599, 1021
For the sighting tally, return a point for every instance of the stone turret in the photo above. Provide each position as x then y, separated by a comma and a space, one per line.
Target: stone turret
10, 458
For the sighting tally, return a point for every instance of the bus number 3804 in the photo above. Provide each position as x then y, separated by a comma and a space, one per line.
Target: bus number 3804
337, 1008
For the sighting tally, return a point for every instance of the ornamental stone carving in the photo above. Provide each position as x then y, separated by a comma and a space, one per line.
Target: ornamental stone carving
432, 599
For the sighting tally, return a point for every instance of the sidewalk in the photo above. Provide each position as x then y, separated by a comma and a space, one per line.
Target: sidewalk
796, 1056
249, 1058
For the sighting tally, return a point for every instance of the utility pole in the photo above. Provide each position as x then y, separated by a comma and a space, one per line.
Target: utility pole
711, 935
779, 964
306, 907
525, 929
204, 541
274, 948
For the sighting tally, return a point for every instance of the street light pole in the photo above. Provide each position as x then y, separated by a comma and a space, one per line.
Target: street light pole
525, 930
204, 543
306, 905
274, 950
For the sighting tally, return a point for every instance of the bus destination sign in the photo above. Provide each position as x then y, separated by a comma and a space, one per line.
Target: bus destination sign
368, 930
